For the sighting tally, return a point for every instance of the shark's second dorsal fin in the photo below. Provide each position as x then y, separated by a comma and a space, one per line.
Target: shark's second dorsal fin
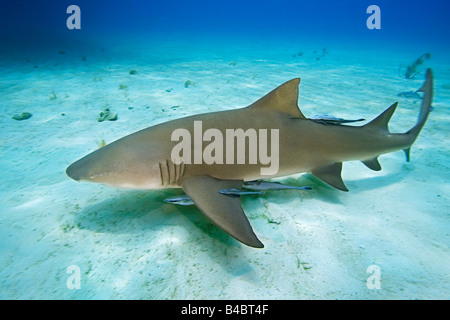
283, 99
381, 122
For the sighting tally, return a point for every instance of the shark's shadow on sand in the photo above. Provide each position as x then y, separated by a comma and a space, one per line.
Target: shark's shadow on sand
326, 193
145, 211
140, 211
135, 211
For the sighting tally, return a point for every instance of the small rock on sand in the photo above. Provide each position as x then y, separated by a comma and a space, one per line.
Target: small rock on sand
22, 116
107, 115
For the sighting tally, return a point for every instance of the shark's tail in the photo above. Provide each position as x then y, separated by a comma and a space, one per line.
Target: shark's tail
425, 109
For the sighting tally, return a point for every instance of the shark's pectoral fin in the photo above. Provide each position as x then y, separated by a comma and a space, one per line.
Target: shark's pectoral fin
332, 175
373, 164
226, 212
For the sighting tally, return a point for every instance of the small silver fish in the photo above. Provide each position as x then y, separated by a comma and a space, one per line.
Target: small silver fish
182, 200
238, 193
259, 185
327, 119
410, 95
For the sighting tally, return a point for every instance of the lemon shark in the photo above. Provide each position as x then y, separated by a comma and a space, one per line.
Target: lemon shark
144, 159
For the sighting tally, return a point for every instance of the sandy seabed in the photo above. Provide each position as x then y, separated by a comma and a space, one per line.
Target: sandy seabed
132, 245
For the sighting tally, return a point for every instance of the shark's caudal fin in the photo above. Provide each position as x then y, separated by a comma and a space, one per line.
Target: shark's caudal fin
425, 109
332, 174
381, 122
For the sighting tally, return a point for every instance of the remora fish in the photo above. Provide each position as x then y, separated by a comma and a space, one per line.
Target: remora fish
257, 187
237, 193
265, 185
142, 160
182, 200
327, 119
410, 95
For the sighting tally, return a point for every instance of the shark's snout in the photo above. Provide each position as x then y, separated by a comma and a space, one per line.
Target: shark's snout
73, 171
81, 169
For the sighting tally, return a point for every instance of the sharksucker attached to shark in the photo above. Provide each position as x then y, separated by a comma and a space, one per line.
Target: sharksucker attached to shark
144, 159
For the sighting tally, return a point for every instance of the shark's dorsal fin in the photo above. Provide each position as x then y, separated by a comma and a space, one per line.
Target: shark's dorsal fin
332, 175
226, 212
283, 99
381, 122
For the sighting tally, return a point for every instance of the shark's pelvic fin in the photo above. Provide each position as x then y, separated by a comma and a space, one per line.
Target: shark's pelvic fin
372, 164
332, 175
283, 99
226, 212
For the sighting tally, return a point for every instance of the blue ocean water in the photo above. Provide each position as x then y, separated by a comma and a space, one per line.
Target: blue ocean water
132, 245
417, 21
